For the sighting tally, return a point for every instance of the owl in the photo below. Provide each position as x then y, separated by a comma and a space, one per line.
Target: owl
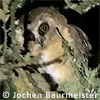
58, 46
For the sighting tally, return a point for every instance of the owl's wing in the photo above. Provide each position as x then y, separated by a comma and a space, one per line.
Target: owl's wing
81, 40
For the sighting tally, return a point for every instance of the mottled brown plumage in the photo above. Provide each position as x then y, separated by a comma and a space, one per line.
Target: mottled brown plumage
56, 39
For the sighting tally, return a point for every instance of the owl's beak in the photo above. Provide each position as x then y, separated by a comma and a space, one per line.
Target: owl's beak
40, 41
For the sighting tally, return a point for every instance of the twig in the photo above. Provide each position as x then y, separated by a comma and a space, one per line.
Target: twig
5, 38
13, 10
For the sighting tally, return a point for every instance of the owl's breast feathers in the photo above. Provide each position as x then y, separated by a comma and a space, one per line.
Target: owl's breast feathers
75, 39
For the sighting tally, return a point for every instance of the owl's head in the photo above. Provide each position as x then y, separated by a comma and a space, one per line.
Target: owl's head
40, 28
43, 23
46, 28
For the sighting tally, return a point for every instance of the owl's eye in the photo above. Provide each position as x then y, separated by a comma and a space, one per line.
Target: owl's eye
43, 29
29, 35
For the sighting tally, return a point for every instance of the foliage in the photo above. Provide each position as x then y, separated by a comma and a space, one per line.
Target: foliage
81, 6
